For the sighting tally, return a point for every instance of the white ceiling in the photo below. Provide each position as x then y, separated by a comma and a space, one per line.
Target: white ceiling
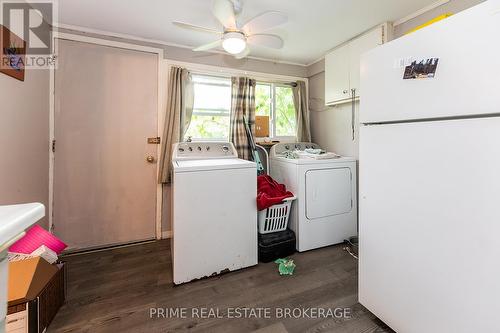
314, 27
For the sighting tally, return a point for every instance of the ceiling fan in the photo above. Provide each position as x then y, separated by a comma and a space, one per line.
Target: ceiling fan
237, 38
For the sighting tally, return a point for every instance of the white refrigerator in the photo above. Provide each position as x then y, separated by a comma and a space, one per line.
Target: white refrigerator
429, 220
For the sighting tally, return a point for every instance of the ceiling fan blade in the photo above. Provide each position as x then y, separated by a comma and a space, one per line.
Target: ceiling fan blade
208, 46
265, 21
272, 41
196, 28
223, 10
243, 54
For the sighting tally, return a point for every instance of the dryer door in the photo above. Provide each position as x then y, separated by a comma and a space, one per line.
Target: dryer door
328, 192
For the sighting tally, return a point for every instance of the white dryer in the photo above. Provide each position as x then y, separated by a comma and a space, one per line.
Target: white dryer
214, 210
325, 212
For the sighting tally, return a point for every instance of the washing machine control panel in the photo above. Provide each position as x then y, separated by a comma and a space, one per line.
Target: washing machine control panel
203, 150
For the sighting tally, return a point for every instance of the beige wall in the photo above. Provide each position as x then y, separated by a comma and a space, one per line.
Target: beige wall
223, 60
213, 59
331, 126
205, 58
24, 125
24, 139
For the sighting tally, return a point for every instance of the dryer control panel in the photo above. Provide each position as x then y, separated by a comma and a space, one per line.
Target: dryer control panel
280, 148
203, 150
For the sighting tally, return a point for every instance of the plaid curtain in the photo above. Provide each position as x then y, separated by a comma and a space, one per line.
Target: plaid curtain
177, 118
303, 131
242, 105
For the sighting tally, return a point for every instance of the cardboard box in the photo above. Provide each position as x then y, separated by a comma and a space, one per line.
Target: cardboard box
262, 126
37, 290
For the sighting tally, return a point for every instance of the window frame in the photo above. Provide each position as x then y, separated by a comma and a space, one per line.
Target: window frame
212, 112
272, 111
229, 72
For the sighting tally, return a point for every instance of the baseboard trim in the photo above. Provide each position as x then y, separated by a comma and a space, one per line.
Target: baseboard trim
166, 234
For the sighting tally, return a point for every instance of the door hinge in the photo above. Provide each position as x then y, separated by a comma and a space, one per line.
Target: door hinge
53, 146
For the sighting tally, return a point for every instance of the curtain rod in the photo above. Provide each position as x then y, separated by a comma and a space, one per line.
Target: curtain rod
229, 75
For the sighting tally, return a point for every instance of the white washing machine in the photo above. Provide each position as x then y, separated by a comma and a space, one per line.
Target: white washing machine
214, 210
325, 212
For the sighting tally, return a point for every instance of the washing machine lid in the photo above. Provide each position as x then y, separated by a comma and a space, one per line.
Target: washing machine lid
212, 164
312, 161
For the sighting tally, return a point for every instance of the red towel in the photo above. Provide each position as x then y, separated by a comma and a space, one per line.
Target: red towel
269, 192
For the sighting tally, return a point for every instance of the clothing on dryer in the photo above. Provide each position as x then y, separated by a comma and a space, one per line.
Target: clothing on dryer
316, 156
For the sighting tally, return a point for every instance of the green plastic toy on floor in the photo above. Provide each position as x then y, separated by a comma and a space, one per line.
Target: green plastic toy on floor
285, 266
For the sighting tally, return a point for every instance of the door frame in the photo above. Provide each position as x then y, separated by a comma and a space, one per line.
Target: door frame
160, 112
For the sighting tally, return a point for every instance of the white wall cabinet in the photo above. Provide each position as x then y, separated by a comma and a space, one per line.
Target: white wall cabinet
337, 81
342, 65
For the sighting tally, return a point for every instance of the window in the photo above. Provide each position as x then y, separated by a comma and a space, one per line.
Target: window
212, 104
276, 101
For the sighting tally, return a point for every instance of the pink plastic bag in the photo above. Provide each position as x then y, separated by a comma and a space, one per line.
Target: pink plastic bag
36, 237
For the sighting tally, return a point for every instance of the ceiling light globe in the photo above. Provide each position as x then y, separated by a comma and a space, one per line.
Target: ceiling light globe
234, 42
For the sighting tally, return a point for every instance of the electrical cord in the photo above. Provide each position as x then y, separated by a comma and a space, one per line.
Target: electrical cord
353, 115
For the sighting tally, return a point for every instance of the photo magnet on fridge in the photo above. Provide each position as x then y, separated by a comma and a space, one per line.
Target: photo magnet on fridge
425, 69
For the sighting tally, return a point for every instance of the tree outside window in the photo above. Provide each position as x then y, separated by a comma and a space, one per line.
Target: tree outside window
212, 106
276, 101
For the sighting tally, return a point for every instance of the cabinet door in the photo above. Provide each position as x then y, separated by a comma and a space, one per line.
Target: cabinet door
357, 48
337, 75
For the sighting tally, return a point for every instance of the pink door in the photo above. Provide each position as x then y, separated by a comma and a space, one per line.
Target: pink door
106, 106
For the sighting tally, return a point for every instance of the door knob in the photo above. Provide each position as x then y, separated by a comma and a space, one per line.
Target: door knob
150, 159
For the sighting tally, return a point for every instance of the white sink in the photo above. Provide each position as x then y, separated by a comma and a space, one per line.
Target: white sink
14, 219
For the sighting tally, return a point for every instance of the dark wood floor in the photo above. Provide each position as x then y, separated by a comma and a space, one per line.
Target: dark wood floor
114, 290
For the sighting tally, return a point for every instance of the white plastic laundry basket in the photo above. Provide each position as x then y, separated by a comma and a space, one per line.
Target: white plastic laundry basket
275, 218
